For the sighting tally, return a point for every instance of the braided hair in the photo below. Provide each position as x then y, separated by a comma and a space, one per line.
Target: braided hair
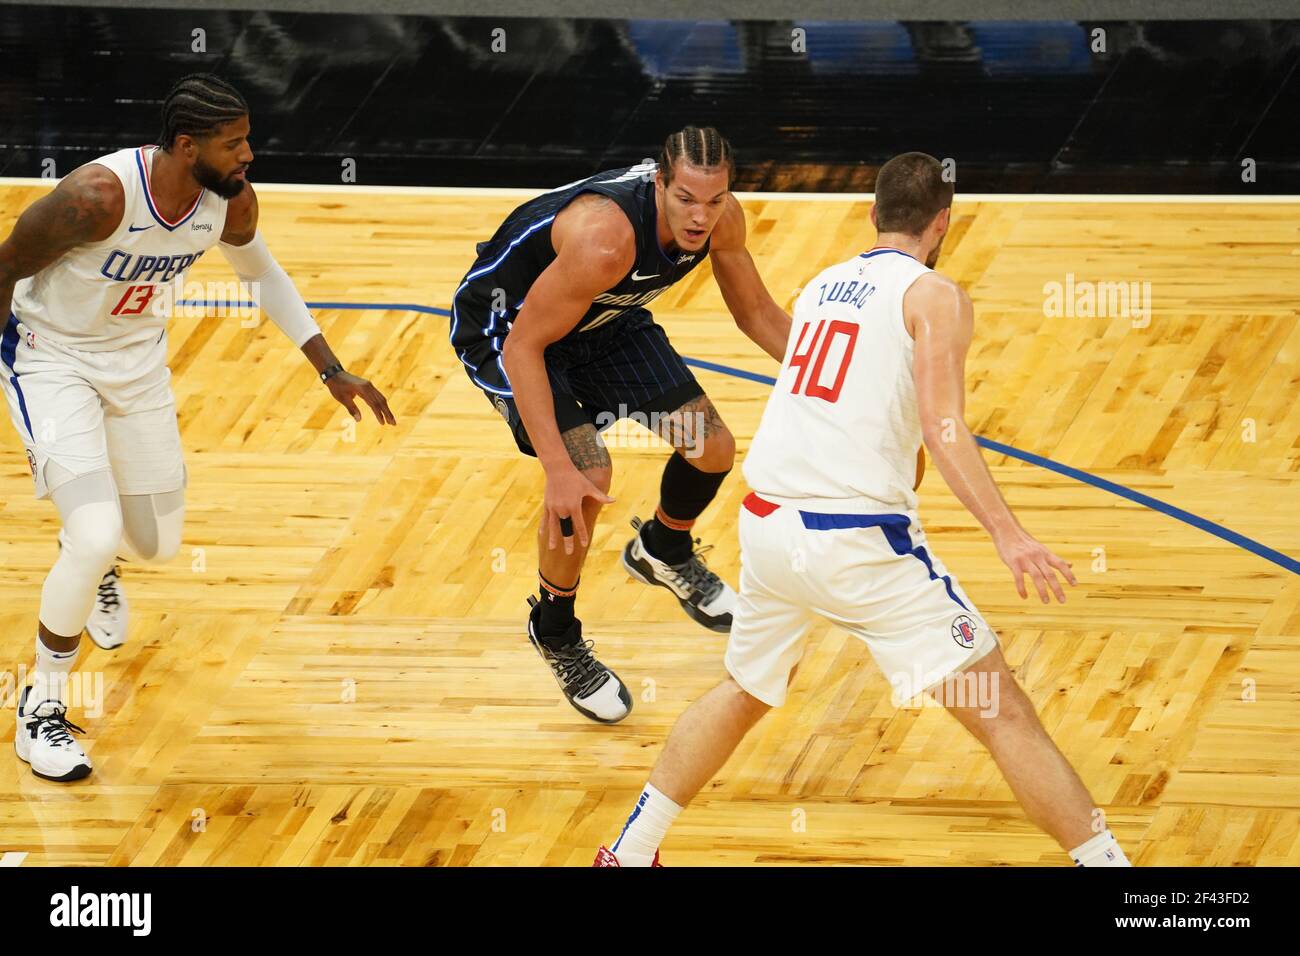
703, 147
197, 105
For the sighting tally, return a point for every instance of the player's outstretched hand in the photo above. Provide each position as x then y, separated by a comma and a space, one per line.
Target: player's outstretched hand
1024, 554
565, 491
347, 388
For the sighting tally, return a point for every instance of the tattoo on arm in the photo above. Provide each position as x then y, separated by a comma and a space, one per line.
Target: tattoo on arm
586, 450
81, 209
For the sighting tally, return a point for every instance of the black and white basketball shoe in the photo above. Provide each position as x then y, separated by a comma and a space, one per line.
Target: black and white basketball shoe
592, 688
703, 595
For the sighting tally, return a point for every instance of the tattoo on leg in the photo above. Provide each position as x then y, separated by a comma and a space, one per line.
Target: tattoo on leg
585, 447
689, 427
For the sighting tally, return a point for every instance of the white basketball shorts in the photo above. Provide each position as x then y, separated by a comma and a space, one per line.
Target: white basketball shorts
872, 574
93, 411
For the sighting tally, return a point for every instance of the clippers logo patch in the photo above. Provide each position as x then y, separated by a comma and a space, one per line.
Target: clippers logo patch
31, 461
963, 630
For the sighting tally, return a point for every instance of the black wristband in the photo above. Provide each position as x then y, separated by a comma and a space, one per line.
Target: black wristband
329, 372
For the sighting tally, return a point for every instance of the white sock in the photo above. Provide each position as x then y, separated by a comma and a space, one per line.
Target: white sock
645, 828
50, 680
1101, 850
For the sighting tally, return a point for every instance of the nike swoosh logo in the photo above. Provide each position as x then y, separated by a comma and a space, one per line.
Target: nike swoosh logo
138, 228
637, 278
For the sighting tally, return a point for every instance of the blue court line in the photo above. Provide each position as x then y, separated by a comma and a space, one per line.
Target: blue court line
728, 370
1155, 504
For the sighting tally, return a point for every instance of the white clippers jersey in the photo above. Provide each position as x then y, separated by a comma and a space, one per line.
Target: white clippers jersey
840, 432
105, 295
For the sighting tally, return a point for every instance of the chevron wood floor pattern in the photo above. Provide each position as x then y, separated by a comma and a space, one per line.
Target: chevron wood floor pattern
333, 672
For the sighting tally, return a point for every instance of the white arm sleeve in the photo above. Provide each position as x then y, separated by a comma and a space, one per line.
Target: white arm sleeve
276, 294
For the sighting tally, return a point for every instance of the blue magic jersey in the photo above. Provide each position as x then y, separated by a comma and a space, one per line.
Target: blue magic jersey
493, 291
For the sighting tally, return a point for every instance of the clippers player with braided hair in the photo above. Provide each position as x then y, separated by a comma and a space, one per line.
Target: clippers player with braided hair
551, 323
83, 363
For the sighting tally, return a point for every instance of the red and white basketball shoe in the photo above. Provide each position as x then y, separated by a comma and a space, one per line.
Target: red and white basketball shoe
606, 857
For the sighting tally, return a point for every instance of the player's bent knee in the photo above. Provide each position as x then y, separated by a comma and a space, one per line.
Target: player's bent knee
160, 548
1015, 713
92, 518
717, 454
602, 478
153, 524
92, 533
168, 547
722, 447
1007, 716
754, 707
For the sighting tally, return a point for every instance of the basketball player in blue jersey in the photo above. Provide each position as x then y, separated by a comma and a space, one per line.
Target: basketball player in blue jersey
83, 363
551, 323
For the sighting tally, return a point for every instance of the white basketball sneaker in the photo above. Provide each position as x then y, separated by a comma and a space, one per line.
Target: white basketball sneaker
703, 595
592, 688
107, 624
44, 739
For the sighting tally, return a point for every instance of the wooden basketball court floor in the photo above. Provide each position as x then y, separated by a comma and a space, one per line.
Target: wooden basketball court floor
334, 670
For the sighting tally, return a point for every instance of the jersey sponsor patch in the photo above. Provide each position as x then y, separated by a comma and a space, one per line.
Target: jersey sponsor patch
963, 630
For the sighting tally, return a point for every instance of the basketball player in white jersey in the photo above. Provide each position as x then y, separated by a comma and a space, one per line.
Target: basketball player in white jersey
873, 367
83, 362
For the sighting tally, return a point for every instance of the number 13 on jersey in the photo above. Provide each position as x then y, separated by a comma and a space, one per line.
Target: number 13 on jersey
134, 300
825, 336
